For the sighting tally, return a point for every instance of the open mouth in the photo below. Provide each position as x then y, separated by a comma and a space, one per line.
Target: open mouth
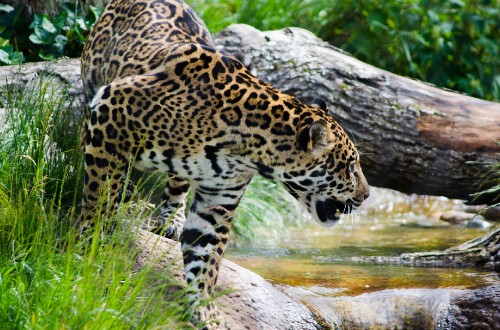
330, 210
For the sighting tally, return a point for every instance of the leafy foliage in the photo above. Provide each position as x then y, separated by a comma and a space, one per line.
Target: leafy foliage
47, 38
8, 18
451, 43
65, 34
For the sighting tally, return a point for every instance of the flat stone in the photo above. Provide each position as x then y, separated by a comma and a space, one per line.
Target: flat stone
252, 303
457, 217
443, 309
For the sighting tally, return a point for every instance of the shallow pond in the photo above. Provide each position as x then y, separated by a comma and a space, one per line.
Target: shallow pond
391, 223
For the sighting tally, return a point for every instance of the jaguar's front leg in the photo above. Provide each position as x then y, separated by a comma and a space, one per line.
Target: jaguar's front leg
204, 242
172, 213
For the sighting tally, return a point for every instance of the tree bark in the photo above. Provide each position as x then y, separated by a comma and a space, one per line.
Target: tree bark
414, 137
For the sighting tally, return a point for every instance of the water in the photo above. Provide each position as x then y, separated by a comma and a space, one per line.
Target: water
311, 256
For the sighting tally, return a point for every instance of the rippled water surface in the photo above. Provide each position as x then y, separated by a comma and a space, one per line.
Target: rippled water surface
391, 223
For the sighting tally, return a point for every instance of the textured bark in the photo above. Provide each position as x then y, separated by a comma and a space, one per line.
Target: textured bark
414, 137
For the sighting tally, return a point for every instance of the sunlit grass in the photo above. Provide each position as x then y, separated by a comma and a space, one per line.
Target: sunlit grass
47, 279
267, 206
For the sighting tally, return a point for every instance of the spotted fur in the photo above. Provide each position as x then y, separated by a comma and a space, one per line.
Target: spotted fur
161, 97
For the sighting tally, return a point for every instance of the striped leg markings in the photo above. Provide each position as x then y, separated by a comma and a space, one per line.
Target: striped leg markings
204, 242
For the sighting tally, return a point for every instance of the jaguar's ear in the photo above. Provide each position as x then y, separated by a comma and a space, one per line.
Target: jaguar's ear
319, 103
313, 138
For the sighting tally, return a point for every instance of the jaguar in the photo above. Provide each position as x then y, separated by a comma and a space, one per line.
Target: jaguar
160, 96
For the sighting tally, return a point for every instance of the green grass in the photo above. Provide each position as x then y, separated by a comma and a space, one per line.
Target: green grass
267, 206
47, 280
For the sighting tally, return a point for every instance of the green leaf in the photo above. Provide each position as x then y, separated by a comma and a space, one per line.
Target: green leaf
37, 21
17, 58
4, 42
6, 8
59, 22
60, 39
41, 37
46, 57
4, 57
48, 26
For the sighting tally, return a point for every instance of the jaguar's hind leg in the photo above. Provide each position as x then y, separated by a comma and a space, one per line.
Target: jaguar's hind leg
172, 213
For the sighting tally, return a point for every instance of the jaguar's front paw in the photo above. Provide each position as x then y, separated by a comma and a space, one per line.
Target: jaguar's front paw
208, 318
169, 230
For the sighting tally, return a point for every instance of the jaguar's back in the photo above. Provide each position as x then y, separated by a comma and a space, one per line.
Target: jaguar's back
135, 37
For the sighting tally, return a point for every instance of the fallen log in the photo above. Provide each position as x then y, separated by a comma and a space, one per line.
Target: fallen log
415, 138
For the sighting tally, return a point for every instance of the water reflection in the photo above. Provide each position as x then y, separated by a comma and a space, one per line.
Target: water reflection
392, 223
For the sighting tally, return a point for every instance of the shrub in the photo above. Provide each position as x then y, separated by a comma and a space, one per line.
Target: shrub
47, 37
450, 43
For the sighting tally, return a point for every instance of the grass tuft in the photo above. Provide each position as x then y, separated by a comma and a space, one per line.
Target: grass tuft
266, 206
47, 280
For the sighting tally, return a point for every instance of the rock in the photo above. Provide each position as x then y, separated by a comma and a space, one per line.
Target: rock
457, 217
406, 309
473, 309
469, 220
492, 213
62, 74
253, 303
488, 212
478, 222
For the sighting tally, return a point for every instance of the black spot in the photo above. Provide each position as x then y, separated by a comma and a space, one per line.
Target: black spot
97, 138
106, 93
265, 171
94, 186
306, 182
231, 116
111, 132
89, 160
110, 147
195, 271
195, 237
101, 162
179, 68
93, 118
218, 69
340, 166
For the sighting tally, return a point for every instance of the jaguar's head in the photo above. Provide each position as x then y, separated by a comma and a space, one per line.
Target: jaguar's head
327, 177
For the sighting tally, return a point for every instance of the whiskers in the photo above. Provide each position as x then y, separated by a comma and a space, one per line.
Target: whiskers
346, 222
